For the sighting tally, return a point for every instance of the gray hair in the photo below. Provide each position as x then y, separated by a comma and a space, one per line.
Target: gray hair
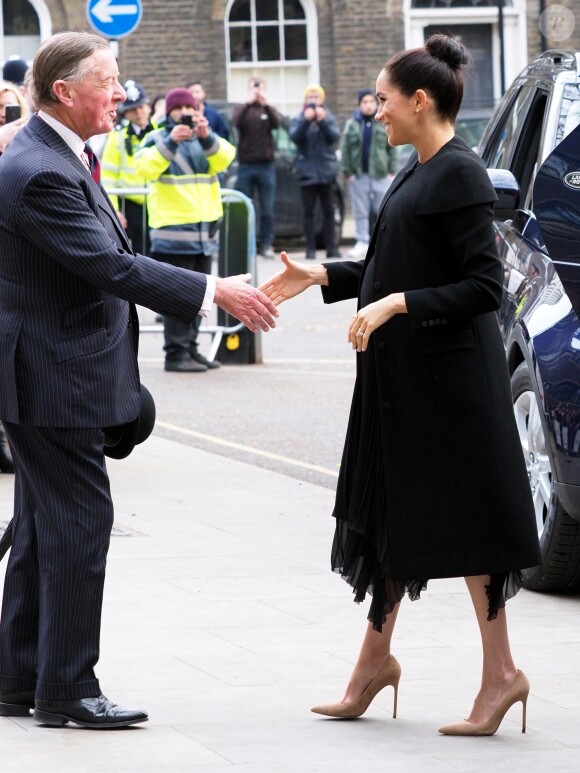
62, 58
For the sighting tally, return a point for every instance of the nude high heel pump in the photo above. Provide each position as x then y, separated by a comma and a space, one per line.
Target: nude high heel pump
518, 692
389, 674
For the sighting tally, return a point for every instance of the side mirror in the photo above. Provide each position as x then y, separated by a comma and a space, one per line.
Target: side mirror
507, 191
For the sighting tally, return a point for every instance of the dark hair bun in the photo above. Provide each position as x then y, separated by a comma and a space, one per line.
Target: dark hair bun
449, 50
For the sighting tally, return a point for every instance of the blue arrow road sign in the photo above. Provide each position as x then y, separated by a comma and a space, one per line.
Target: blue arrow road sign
114, 18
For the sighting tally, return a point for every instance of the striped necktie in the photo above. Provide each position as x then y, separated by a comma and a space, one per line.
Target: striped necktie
94, 164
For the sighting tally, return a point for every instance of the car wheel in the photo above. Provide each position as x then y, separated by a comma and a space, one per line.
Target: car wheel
559, 533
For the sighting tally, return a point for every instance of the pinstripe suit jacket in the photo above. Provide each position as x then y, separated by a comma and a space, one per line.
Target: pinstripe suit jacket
68, 282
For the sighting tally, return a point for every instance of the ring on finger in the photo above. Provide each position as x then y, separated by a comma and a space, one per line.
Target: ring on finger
360, 333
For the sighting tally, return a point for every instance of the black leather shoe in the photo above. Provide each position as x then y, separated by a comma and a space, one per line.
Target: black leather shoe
96, 713
185, 365
310, 255
210, 364
16, 704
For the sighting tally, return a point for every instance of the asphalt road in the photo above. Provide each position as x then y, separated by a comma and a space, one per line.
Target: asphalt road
288, 414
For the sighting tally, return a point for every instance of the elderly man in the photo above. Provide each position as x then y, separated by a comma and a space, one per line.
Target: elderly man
68, 369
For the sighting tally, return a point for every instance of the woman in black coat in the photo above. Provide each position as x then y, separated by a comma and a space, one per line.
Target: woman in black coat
432, 481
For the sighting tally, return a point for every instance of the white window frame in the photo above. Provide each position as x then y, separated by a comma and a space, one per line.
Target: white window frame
44, 23
253, 67
515, 33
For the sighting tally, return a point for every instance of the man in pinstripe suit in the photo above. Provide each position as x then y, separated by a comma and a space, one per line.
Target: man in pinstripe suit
68, 369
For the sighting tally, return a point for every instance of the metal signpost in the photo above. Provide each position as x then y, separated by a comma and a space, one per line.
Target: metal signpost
114, 18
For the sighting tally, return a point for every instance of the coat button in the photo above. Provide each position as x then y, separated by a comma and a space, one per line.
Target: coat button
386, 405
377, 285
383, 226
381, 346
437, 321
431, 322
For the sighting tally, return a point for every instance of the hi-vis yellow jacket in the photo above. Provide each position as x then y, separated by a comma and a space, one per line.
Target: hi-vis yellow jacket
184, 187
118, 168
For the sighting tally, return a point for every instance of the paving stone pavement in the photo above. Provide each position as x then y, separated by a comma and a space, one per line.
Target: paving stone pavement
223, 621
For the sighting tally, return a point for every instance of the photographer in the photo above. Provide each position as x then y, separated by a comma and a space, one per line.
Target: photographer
10, 95
255, 121
315, 132
182, 160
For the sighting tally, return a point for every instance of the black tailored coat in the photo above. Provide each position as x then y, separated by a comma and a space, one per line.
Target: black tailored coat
457, 494
68, 282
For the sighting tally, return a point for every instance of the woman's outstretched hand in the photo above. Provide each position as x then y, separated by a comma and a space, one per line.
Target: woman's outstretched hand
370, 317
292, 280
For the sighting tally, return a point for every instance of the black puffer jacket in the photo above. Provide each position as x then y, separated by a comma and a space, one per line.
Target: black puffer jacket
316, 161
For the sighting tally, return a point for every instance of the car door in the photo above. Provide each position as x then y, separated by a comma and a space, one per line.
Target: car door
514, 144
557, 203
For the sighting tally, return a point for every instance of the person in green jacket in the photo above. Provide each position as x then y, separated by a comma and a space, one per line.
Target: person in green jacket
369, 164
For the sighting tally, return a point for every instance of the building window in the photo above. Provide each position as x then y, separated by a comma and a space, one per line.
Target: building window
24, 24
497, 41
276, 40
19, 18
267, 31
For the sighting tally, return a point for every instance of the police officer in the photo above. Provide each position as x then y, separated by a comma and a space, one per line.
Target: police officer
183, 160
118, 164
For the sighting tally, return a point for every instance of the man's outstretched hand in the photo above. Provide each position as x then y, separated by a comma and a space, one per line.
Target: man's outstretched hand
246, 303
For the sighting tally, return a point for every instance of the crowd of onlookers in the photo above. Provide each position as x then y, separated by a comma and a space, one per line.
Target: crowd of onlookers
178, 146
366, 160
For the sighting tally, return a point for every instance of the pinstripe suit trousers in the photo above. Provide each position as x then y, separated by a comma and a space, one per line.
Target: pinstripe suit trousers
63, 515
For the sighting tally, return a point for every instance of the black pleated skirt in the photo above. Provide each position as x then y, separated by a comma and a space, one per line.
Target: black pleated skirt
361, 546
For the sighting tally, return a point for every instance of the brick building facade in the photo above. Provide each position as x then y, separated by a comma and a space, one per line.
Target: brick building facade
338, 43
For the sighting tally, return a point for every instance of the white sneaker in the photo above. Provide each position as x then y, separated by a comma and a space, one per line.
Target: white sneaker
268, 252
359, 250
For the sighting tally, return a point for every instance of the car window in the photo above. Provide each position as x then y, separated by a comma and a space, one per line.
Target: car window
525, 157
470, 129
570, 112
497, 155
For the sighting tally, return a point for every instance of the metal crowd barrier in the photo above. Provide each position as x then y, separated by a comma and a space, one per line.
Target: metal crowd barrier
237, 255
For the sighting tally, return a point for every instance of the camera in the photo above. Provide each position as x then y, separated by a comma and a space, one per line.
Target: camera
12, 113
311, 105
187, 120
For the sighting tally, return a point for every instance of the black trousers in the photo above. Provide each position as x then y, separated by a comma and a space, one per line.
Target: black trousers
310, 194
180, 339
50, 623
137, 228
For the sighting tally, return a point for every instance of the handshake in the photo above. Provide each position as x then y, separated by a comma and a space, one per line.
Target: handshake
256, 306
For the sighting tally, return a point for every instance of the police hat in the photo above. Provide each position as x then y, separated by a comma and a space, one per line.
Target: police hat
121, 440
14, 70
135, 96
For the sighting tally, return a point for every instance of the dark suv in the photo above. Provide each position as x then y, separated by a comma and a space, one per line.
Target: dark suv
540, 325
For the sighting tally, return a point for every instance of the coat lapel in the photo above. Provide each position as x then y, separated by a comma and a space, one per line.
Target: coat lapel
53, 139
